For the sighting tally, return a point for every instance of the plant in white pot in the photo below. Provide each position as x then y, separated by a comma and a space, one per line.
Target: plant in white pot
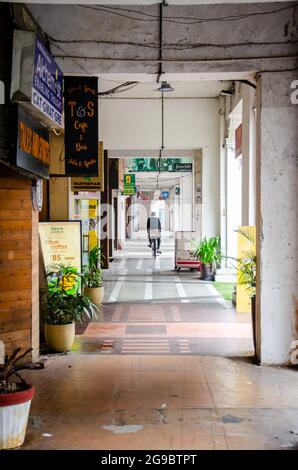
15, 398
92, 278
63, 307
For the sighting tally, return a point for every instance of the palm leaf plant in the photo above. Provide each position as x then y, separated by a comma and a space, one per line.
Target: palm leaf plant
246, 265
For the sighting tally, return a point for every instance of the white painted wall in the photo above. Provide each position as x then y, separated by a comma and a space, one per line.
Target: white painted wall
189, 124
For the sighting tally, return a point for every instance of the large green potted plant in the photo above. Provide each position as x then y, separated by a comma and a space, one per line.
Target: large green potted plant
15, 398
64, 306
92, 278
209, 253
247, 269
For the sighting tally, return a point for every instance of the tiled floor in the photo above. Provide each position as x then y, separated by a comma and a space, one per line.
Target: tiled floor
154, 402
151, 309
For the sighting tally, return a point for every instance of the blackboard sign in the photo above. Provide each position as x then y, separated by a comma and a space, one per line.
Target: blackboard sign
81, 126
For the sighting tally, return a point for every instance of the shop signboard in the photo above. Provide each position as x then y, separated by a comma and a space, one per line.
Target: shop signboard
91, 183
47, 84
33, 148
165, 194
61, 244
129, 187
171, 165
81, 126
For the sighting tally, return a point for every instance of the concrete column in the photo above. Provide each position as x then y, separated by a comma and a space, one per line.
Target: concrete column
186, 202
210, 190
277, 215
248, 156
223, 181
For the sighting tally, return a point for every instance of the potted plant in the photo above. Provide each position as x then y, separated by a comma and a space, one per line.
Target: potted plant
247, 268
15, 399
92, 278
209, 253
63, 307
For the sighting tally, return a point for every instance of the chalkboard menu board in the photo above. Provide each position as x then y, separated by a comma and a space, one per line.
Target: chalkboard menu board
81, 126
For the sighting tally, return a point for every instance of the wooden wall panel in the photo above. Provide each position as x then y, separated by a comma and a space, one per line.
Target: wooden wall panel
19, 266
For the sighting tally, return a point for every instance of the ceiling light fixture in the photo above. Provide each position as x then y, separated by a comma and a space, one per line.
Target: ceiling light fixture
165, 87
227, 92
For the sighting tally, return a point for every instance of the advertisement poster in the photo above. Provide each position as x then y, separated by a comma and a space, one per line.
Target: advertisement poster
47, 84
61, 244
81, 126
129, 186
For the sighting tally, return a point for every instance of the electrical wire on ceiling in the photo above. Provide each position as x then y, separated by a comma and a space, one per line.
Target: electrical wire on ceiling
147, 17
119, 89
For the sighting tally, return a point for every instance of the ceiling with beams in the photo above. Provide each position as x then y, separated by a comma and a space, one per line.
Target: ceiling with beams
145, 2
185, 86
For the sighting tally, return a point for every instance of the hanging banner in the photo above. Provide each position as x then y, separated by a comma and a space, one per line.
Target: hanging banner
81, 126
47, 84
91, 183
61, 244
129, 186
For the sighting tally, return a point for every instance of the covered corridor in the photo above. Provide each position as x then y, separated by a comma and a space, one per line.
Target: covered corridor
150, 308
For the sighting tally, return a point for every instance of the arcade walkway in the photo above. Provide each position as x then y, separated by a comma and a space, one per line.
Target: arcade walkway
151, 309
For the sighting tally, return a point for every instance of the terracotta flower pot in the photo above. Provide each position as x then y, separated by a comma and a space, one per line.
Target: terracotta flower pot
60, 338
14, 412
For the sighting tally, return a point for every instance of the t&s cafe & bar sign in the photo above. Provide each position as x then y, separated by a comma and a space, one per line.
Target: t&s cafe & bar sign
81, 126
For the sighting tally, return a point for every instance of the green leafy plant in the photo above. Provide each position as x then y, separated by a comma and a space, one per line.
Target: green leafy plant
247, 264
92, 273
10, 378
208, 250
64, 303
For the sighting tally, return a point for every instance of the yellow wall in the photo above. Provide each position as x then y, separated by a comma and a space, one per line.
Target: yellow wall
243, 302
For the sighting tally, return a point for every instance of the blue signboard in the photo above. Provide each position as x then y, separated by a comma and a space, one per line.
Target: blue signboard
165, 194
47, 84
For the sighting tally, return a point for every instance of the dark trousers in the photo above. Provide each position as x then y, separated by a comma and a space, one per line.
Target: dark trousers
158, 242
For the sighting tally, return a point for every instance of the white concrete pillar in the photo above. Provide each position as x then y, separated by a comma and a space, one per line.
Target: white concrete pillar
211, 190
186, 202
223, 179
277, 228
248, 155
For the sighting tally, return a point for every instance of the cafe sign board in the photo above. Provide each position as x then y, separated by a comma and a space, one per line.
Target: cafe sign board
47, 84
91, 183
81, 126
61, 244
33, 148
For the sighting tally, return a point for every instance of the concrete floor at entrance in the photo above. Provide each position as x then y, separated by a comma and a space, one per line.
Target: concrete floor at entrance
154, 402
